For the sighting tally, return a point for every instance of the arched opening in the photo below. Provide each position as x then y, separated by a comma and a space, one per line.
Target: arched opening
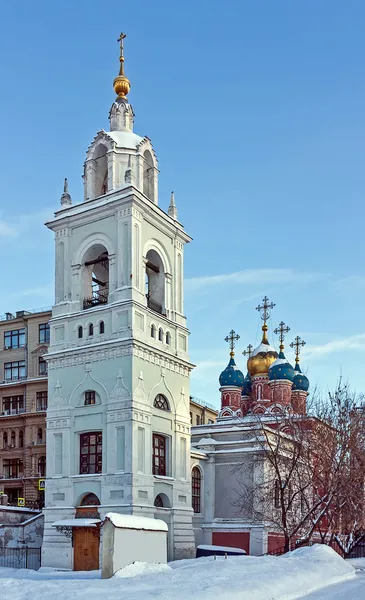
168, 338
101, 170
101, 327
95, 276
21, 438
153, 331
162, 501
86, 539
90, 500
148, 176
155, 282
40, 436
196, 480
79, 331
12, 439
160, 335
91, 329
42, 466
161, 402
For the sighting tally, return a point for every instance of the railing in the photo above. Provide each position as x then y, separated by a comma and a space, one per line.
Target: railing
203, 403
96, 299
21, 558
155, 306
20, 313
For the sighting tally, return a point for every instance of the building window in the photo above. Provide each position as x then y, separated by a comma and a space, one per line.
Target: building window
12, 439
159, 455
277, 494
14, 339
191, 418
5, 440
79, 331
14, 370
160, 335
42, 367
153, 331
90, 397
198, 420
196, 484
161, 402
42, 398
91, 329
158, 503
13, 468
21, 438
40, 436
168, 338
13, 405
91, 453
42, 466
101, 327
44, 333
210, 421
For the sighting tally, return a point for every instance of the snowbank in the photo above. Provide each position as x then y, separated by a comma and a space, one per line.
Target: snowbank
142, 568
286, 577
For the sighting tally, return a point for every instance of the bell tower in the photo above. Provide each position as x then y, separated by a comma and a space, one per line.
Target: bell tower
118, 423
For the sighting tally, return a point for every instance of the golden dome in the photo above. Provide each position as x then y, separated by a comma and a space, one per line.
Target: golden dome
263, 356
121, 83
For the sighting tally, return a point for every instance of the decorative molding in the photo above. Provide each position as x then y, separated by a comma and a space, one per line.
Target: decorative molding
83, 385
162, 384
58, 398
140, 391
120, 392
58, 423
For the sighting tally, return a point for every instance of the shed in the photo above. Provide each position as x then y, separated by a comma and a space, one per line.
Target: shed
130, 538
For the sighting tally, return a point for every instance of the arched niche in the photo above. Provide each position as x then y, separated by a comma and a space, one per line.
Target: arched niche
148, 176
155, 282
101, 170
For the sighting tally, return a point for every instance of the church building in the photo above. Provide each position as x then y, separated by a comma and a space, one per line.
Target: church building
118, 420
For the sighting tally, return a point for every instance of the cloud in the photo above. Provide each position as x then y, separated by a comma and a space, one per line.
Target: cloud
7, 230
353, 342
251, 276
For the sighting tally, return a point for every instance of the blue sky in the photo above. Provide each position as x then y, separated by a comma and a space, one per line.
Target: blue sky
256, 113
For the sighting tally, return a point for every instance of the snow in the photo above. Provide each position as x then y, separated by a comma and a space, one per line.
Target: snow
264, 348
76, 523
135, 522
221, 548
285, 577
125, 139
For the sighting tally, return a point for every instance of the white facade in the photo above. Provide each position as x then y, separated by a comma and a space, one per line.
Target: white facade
119, 344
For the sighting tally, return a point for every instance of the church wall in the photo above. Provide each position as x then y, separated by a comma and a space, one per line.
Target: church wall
231, 477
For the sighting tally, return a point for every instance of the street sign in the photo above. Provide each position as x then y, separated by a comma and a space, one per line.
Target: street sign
41, 484
21, 501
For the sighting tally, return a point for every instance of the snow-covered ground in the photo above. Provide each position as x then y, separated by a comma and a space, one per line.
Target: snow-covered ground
236, 578
353, 589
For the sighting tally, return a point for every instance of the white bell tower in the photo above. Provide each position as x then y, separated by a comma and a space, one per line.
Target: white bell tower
118, 422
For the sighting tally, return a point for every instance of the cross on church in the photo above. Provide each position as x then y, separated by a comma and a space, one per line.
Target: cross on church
297, 344
249, 350
121, 39
281, 330
265, 308
232, 339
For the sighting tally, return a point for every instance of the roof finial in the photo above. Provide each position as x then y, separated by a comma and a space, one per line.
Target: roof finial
281, 330
264, 311
172, 210
129, 175
65, 198
296, 345
121, 83
249, 351
231, 339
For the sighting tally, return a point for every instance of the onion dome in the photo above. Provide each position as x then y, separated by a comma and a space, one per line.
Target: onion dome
247, 385
300, 381
121, 83
262, 357
281, 369
231, 376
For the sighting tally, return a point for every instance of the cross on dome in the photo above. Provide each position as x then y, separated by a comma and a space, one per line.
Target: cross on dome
232, 338
121, 83
281, 330
264, 309
249, 351
297, 344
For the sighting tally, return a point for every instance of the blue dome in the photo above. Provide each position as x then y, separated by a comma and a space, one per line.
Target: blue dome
281, 369
231, 375
247, 385
300, 381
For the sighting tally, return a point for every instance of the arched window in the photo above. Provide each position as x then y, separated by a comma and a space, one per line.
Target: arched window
91, 329
196, 480
5, 440
90, 500
148, 176
90, 397
21, 438
95, 276
155, 282
101, 327
168, 338
42, 466
101, 171
12, 439
161, 402
158, 501
153, 331
40, 436
79, 331
160, 334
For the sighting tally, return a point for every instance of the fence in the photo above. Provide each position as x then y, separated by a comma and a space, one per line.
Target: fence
21, 558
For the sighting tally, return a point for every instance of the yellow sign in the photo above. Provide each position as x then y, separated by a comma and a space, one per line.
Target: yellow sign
41, 484
21, 501
1, 493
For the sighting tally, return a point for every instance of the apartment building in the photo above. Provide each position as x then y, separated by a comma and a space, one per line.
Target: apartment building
24, 339
201, 413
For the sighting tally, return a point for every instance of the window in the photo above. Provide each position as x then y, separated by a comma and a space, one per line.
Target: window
42, 366
5, 440
196, 480
160, 335
12, 439
191, 418
210, 421
14, 370
153, 331
91, 329
42, 398
14, 339
158, 501
159, 455
13, 405
40, 436
91, 452
161, 402
13, 468
44, 333
42, 466
79, 331
168, 338
89, 397
101, 327
198, 420
21, 438
277, 494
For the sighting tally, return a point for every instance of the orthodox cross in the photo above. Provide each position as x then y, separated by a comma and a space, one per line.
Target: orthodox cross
232, 339
264, 309
121, 39
281, 330
249, 350
297, 344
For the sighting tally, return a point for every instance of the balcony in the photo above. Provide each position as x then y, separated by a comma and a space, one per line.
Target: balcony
96, 299
155, 306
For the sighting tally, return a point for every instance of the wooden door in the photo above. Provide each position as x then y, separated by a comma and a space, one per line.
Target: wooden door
86, 549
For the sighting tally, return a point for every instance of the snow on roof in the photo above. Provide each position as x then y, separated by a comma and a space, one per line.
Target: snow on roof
76, 523
221, 548
125, 139
136, 522
206, 441
263, 348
